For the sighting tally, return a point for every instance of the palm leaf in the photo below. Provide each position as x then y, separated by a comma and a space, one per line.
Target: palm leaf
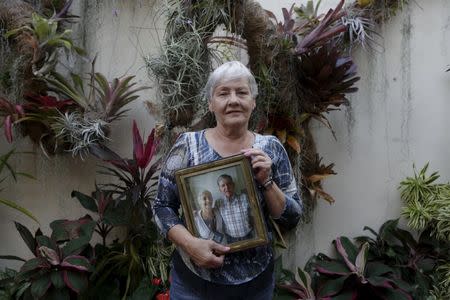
19, 208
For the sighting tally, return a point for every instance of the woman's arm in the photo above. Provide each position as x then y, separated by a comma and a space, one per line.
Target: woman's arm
273, 173
204, 253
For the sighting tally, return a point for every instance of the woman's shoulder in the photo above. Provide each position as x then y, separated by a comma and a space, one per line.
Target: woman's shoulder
267, 141
188, 134
189, 137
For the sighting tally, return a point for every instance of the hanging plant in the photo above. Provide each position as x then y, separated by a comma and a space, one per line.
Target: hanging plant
301, 64
290, 60
58, 112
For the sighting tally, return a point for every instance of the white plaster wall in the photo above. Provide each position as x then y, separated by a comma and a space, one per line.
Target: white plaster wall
398, 117
120, 32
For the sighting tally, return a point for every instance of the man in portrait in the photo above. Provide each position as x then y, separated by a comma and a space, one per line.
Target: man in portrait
234, 209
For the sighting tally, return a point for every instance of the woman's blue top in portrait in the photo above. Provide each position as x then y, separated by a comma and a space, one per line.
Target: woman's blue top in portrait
192, 149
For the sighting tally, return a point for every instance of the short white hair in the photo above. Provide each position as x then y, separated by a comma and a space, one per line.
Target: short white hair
231, 70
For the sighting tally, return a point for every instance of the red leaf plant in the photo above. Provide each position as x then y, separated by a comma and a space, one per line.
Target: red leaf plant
11, 113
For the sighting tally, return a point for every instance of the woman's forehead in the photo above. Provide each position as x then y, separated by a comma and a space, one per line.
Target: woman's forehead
232, 83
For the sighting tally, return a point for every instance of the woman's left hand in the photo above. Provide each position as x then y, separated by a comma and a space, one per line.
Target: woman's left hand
261, 164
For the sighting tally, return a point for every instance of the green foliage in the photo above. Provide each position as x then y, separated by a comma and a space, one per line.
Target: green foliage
352, 275
416, 261
46, 31
96, 95
427, 208
61, 264
5, 166
427, 204
47, 37
124, 265
7, 287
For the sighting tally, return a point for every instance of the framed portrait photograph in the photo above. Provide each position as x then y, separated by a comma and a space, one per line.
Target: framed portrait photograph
219, 202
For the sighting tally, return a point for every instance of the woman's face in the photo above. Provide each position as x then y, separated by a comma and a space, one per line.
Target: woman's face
232, 103
206, 200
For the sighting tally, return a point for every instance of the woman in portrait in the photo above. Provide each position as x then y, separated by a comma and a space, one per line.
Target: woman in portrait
202, 268
207, 221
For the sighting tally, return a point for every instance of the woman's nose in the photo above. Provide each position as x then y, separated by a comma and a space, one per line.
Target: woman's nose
233, 97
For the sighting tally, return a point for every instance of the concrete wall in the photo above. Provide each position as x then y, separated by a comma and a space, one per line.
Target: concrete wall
398, 117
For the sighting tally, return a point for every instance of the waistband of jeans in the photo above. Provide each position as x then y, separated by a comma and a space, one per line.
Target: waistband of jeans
196, 281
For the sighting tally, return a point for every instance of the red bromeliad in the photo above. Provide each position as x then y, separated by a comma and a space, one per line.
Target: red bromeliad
48, 102
11, 113
143, 153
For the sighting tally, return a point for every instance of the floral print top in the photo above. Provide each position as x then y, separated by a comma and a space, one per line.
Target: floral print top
191, 149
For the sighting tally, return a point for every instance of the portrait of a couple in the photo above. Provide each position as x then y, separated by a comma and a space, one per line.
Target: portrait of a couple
227, 219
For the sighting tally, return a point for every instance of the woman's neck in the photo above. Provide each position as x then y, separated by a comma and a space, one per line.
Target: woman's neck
230, 134
207, 215
228, 142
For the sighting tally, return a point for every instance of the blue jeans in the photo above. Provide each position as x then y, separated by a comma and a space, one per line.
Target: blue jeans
198, 289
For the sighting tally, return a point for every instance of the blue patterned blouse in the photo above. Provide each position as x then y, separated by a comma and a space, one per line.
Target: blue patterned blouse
192, 149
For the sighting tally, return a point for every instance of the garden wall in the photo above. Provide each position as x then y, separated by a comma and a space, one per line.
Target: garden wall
398, 117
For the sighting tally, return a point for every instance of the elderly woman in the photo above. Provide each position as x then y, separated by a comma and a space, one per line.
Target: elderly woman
203, 269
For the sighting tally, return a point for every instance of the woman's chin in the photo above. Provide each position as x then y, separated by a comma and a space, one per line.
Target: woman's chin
234, 122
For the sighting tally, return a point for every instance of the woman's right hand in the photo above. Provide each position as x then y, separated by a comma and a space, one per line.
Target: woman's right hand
204, 253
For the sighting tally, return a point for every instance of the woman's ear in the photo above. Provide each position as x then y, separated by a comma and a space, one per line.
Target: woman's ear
210, 106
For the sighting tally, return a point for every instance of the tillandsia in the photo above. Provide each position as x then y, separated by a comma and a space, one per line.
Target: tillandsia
79, 131
182, 68
360, 31
380, 10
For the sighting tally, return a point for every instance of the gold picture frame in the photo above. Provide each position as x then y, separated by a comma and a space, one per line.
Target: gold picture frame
219, 202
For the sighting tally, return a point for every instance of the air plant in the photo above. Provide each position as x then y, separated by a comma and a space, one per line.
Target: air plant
79, 131
360, 31
83, 118
183, 66
309, 11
